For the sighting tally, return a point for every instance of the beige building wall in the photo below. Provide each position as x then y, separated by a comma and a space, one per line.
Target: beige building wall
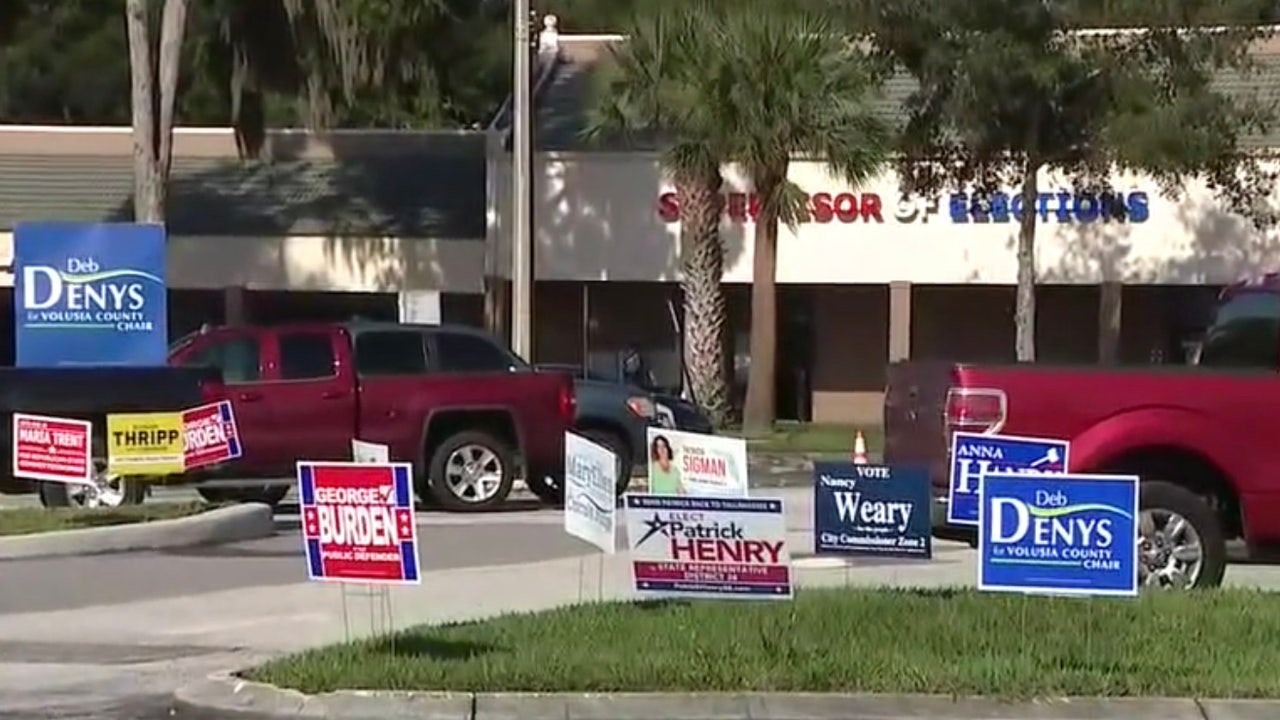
337, 264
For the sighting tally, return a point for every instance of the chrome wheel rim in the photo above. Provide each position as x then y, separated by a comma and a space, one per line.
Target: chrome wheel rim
1170, 553
107, 491
473, 473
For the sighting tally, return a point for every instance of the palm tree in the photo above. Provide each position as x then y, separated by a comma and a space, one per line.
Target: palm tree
800, 90
659, 85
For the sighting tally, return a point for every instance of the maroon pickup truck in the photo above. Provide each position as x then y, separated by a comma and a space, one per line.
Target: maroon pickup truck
1204, 438
469, 414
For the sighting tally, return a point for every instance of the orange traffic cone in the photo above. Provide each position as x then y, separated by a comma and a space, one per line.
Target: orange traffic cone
859, 449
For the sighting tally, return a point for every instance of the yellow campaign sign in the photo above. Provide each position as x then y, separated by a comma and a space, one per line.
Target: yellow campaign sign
144, 444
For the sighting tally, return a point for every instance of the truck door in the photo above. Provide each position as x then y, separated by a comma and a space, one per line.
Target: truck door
392, 370
238, 354
311, 395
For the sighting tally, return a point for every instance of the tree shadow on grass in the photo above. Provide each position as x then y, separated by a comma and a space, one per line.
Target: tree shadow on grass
936, 593
661, 605
426, 647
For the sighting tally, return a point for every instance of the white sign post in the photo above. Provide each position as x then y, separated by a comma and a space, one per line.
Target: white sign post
590, 500
367, 452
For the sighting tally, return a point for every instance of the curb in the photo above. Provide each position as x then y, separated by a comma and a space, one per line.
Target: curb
224, 696
249, 521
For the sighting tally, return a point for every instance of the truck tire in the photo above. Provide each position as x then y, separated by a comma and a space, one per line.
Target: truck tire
546, 487
471, 472
1163, 505
216, 495
271, 495
123, 492
620, 448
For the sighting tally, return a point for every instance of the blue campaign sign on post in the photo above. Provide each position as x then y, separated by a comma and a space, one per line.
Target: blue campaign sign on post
871, 510
90, 294
1059, 534
973, 455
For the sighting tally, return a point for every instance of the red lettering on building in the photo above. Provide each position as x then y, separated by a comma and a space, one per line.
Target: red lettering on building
709, 550
823, 207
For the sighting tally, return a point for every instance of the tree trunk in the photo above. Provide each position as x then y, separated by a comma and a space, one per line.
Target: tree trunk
1024, 314
147, 203
173, 28
154, 93
1110, 317
702, 275
758, 414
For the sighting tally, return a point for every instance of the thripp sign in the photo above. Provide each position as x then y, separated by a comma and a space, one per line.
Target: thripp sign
90, 294
1058, 534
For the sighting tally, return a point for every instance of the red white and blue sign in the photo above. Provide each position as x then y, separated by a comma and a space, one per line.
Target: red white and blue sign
209, 435
1059, 534
974, 455
708, 547
357, 522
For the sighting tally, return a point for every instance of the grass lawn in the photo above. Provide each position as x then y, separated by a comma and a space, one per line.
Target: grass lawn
816, 438
27, 521
1212, 644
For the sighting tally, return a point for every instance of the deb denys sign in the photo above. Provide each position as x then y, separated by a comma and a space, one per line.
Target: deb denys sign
90, 294
1058, 534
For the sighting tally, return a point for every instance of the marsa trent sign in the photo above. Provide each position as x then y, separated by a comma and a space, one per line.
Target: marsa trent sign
1063, 206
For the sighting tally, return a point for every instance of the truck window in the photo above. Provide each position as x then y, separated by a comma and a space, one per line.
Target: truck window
237, 358
391, 353
306, 356
464, 352
1245, 333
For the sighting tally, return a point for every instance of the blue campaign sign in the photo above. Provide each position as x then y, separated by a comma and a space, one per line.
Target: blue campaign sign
1059, 534
973, 455
90, 294
871, 510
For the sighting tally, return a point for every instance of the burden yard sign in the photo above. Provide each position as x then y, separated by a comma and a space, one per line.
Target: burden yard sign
707, 547
357, 522
52, 449
209, 435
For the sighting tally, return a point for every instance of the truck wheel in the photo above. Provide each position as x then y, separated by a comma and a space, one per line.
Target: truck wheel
269, 494
471, 471
216, 495
620, 449
547, 488
1180, 540
114, 493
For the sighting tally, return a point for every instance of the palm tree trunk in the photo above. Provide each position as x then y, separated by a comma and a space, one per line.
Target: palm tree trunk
758, 414
147, 201
154, 90
1024, 314
702, 275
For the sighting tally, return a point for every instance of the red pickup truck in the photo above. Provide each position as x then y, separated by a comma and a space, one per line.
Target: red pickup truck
1204, 438
468, 413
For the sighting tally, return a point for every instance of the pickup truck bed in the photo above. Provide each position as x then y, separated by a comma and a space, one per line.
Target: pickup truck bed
90, 393
1201, 438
